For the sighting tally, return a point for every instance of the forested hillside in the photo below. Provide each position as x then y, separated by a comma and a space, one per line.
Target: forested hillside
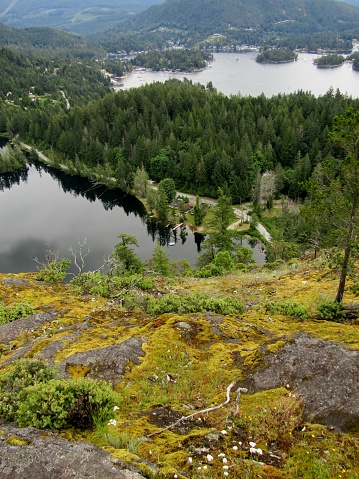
34, 83
48, 42
241, 21
78, 17
201, 139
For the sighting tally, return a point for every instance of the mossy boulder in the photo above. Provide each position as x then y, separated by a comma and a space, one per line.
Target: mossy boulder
107, 363
322, 374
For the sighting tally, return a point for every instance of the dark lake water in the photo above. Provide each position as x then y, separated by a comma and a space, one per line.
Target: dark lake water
40, 206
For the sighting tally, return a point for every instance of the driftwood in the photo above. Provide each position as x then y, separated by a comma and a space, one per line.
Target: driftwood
207, 410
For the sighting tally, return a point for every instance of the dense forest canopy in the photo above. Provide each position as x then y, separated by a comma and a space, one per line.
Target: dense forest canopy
48, 42
200, 138
176, 59
326, 61
32, 82
276, 55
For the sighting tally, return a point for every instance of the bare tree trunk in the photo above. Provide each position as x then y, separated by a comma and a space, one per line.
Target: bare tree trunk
343, 274
347, 250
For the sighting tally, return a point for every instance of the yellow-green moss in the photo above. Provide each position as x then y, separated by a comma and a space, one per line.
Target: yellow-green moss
187, 371
17, 441
78, 370
274, 347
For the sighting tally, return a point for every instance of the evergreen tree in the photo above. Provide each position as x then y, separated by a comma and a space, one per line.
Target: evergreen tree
140, 182
167, 185
162, 208
333, 204
159, 261
197, 213
126, 260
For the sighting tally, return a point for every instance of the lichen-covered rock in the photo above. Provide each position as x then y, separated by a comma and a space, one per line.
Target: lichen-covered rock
10, 331
28, 453
107, 363
323, 375
17, 282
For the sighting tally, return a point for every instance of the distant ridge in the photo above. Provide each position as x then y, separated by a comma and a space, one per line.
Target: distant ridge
46, 39
80, 16
199, 19
219, 15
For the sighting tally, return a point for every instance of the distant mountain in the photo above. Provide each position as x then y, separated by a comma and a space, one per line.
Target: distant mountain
242, 20
48, 41
81, 16
352, 2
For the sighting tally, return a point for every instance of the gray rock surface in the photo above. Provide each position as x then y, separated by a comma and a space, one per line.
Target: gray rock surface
322, 374
107, 363
44, 455
18, 282
10, 331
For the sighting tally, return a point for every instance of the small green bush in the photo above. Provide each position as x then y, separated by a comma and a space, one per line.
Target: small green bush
32, 394
330, 311
193, 303
14, 311
98, 284
290, 308
55, 272
273, 265
60, 403
26, 372
241, 267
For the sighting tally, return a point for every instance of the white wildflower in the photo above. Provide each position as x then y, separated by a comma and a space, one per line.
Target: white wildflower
252, 444
225, 467
209, 458
112, 422
190, 460
235, 448
226, 473
116, 408
224, 460
223, 432
221, 454
205, 467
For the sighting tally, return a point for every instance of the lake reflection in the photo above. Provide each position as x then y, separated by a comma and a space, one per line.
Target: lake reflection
41, 206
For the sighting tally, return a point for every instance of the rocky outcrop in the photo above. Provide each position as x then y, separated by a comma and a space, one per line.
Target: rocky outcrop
106, 363
9, 332
28, 453
322, 374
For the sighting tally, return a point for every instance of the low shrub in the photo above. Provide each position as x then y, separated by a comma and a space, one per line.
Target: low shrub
290, 308
33, 394
54, 272
193, 303
60, 403
273, 265
330, 311
98, 284
14, 311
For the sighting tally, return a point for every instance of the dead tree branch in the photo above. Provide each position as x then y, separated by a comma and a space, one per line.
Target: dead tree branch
207, 410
